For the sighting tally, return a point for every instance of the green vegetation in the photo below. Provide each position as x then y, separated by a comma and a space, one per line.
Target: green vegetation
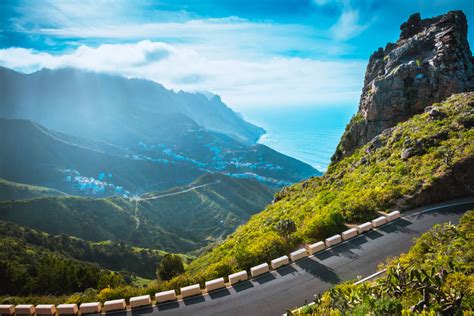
357, 118
115, 256
37, 267
375, 178
170, 266
285, 228
435, 277
107, 234
176, 223
28, 269
16, 191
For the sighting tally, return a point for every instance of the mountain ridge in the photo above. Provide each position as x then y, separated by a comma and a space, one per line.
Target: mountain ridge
32, 155
28, 95
19, 191
122, 117
106, 254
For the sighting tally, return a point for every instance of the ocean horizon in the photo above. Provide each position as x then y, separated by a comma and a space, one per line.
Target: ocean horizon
309, 134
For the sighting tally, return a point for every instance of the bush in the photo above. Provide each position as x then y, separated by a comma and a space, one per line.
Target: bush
324, 225
171, 265
89, 295
125, 292
285, 228
387, 306
110, 279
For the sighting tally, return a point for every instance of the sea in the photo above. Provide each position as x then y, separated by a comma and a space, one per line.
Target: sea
309, 134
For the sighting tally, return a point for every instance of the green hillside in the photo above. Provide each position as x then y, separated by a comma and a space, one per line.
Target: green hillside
28, 268
208, 213
35, 155
18, 191
181, 222
423, 160
440, 264
109, 255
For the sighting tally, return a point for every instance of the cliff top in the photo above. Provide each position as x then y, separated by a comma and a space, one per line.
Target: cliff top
431, 61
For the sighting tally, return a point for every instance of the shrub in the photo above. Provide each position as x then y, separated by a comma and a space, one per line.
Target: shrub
89, 295
285, 228
125, 291
110, 279
170, 266
387, 306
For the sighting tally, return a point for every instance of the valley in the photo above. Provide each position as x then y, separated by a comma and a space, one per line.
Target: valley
210, 212
151, 189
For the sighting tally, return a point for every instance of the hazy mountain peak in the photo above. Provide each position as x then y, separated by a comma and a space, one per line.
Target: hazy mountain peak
76, 101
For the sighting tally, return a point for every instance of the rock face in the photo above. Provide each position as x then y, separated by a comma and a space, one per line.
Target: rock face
430, 61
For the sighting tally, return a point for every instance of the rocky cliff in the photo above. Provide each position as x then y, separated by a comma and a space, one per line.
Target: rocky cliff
430, 61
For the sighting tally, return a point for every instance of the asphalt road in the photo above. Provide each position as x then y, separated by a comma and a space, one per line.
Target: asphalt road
290, 286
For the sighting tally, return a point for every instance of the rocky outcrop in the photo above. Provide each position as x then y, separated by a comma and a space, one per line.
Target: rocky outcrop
431, 61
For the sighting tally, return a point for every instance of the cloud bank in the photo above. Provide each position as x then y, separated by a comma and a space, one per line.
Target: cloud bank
242, 82
252, 53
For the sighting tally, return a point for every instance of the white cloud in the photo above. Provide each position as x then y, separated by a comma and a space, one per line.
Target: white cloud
348, 25
275, 81
232, 35
249, 63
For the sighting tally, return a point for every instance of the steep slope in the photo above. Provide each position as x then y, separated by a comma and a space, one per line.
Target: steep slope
100, 106
18, 191
30, 269
108, 255
431, 61
35, 155
426, 159
211, 211
181, 220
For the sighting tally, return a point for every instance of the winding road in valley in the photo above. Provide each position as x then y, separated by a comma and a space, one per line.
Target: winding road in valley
289, 287
179, 192
139, 198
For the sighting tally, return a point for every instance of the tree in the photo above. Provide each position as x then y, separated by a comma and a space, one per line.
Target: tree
171, 265
110, 279
285, 228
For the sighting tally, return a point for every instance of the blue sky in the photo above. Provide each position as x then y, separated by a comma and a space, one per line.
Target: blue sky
252, 53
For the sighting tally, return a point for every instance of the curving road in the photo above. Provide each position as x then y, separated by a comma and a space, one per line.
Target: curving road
177, 193
290, 286
139, 199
